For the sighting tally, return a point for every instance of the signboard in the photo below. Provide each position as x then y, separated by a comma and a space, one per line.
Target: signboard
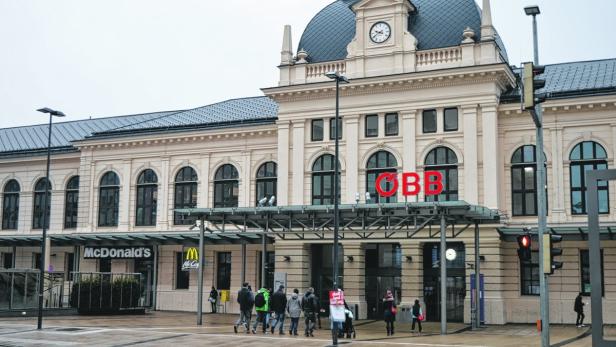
336, 305
387, 183
191, 258
118, 252
280, 279
225, 295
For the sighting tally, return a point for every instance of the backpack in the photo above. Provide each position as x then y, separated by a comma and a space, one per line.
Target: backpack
259, 300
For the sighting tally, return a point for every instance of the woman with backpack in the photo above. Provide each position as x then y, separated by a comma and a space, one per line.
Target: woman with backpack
262, 308
389, 312
418, 316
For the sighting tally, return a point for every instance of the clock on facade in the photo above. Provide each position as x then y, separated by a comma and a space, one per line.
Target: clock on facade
451, 254
380, 32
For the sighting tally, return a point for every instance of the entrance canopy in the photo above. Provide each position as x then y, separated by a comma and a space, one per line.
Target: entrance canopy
188, 238
357, 221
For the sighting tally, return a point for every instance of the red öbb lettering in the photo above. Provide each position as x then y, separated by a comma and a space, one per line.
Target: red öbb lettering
411, 185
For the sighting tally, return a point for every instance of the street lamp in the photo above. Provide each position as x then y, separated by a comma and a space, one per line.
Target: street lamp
335, 75
541, 195
52, 113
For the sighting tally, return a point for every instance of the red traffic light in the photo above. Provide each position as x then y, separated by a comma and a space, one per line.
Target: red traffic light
524, 241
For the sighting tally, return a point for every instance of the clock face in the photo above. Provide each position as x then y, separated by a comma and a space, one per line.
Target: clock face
450, 254
380, 32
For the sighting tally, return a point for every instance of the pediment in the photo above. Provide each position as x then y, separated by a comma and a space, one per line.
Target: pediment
365, 4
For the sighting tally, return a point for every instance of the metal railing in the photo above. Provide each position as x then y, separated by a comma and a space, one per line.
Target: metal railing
98, 292
19, 290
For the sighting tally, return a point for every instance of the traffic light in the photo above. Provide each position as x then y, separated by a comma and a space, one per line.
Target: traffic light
532, 84
524, 244
549, 252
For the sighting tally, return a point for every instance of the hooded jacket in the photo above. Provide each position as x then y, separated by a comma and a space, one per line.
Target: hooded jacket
294, 306
245, 299
309, 303
266, 296
279, 301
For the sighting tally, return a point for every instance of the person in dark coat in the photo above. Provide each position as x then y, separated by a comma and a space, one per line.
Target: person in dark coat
213, 299
578, 307
389, 312
309, 306
246, 300
417, 315
279, 306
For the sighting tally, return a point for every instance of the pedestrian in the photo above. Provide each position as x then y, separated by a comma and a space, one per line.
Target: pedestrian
578, 307
318, 309
309, 306
246, 301
294, 308
417, 314
279, 306
213, 299
389, 312
262, 307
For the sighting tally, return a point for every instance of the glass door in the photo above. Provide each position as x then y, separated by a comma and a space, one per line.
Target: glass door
145, 267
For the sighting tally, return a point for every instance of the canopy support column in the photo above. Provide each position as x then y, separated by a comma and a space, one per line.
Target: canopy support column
264, 253
243, 275
443, 265
477, 301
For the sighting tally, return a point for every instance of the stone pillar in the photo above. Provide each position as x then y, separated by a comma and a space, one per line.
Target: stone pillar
298, 265
298, 163
245, 182
283, 163
557, 200
469, 120
125, 195
164, 187
203, 197
355, 278
491, 155
412, 273
409, 133
352, 159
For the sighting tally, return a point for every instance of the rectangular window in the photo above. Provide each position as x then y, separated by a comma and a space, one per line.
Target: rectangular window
332, 128
7, 260
182, 278
36, 261
317, 130
429, 121
104, 265
223, 271
372, 125
391, 124
585, 273
69, 266
529, 275
270, 263
451, 119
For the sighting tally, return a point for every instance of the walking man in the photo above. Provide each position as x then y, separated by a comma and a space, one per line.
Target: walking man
262, 303
309, 306
279, 305
578, 307
294, 308
246, 301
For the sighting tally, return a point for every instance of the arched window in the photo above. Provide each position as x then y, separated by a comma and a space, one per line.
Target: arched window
379, 163
587, 156
38, 218
109, 200
147, 192
266, 180
323, 180
524, 181
226, 186
445, 161
185, 194
71, 203
10, 205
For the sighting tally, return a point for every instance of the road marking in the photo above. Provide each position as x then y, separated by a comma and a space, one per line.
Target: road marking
38, 341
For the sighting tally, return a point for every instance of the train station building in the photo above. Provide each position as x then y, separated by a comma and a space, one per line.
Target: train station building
431, 89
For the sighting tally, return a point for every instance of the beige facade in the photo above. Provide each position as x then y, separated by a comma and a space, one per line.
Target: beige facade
393, 78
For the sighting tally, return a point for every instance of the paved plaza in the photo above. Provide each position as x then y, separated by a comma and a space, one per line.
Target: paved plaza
179, 329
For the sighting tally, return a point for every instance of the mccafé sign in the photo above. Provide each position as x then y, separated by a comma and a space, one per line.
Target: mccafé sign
388, 183
191, 258
118, 253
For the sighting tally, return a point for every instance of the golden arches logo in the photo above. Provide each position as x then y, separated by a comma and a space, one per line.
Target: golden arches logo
192, 254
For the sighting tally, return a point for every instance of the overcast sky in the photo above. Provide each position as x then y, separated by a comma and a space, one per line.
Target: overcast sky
93, 58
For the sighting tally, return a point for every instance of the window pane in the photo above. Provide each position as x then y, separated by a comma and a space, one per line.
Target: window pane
576, 178
182, 278
517, 156
517, 204
529, 178
529, 154
603, 201
516, 181
577, 205
575, 153
451, 119
372, 126
530, 203
587, 150
429, 121
391, 124
332, 128
317, 130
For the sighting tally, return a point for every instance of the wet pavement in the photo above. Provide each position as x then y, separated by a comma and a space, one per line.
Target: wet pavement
180, 329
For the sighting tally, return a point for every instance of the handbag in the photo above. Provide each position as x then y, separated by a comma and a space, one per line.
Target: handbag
394, 310
421, 317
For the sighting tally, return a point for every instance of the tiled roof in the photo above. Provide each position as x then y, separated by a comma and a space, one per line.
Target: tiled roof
436, 24
34, 137
234, 111
574, 79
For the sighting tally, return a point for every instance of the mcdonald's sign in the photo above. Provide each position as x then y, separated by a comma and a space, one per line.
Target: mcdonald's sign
191, 258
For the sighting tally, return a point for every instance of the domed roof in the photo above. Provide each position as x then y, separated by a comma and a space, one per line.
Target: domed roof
436, 24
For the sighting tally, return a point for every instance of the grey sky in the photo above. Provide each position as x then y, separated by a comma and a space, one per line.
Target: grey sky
115, 57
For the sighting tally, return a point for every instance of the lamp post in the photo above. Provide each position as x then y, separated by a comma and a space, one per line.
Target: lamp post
52, 113
541, 195
335, 75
